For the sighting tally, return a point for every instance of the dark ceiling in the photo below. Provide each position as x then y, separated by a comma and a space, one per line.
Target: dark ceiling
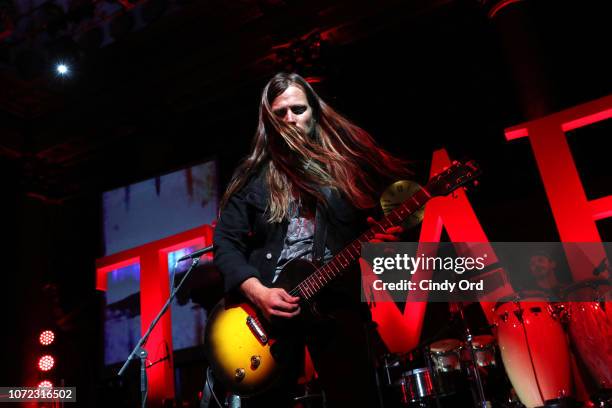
183, 87
169, 92
129, 99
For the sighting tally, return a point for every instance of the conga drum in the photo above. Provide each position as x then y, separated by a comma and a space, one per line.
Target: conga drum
533, 347
590, 326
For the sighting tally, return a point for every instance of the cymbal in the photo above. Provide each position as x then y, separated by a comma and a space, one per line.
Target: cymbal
396, 194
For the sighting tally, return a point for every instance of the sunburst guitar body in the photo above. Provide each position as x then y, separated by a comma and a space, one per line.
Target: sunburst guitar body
246, 352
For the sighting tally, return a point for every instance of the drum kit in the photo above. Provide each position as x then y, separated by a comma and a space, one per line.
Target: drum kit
447, 372
525, 362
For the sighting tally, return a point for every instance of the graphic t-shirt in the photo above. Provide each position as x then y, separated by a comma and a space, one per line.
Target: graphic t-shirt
300, 237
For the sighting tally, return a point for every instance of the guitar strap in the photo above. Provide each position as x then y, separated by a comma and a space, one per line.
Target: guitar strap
320, 235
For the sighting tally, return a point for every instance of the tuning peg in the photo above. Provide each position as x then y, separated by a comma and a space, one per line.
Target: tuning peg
473, 184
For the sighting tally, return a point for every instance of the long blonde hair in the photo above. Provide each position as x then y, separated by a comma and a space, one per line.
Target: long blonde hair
336, 154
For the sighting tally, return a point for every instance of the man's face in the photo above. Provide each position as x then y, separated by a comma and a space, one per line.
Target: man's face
541, 266
292, 107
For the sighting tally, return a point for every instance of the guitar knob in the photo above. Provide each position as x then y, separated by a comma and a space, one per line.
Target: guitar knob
239, 374
255, 361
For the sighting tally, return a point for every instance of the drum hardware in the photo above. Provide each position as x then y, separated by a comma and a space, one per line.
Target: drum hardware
519, 315
308, 398
482, 400
389, 362
602, 302
429, 366
559, 311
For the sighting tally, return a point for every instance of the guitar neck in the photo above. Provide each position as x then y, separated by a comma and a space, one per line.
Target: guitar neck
312, 285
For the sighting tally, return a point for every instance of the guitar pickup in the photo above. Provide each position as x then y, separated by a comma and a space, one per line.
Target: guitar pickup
257, 330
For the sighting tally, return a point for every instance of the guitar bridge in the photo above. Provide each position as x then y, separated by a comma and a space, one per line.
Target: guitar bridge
257, 330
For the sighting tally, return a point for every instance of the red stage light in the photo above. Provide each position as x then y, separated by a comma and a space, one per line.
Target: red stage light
45, 384
45, 363
46, 337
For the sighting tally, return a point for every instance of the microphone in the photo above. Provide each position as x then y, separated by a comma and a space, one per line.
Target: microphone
198, 253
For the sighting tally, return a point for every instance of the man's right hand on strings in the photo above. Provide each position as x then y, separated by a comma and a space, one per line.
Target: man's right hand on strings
270, 301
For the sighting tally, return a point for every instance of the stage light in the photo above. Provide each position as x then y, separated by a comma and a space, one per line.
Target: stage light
45, 384
46, 337
46, 363
62, 69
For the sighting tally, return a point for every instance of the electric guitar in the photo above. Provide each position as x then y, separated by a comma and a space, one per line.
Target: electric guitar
245, 351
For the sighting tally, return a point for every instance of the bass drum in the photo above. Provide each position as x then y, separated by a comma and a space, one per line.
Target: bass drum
533, 347
590, 326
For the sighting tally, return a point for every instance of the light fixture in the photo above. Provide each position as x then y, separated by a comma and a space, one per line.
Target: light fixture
62, 69
45, 384
46, 337
46, 363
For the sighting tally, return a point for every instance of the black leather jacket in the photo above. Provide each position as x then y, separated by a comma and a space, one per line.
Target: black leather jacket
247, 245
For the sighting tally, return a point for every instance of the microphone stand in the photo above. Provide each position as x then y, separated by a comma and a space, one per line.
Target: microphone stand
139, 351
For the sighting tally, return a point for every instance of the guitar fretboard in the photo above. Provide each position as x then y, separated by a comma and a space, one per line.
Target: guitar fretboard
313, 284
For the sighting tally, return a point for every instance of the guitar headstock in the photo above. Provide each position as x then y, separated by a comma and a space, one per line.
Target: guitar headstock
451, 178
